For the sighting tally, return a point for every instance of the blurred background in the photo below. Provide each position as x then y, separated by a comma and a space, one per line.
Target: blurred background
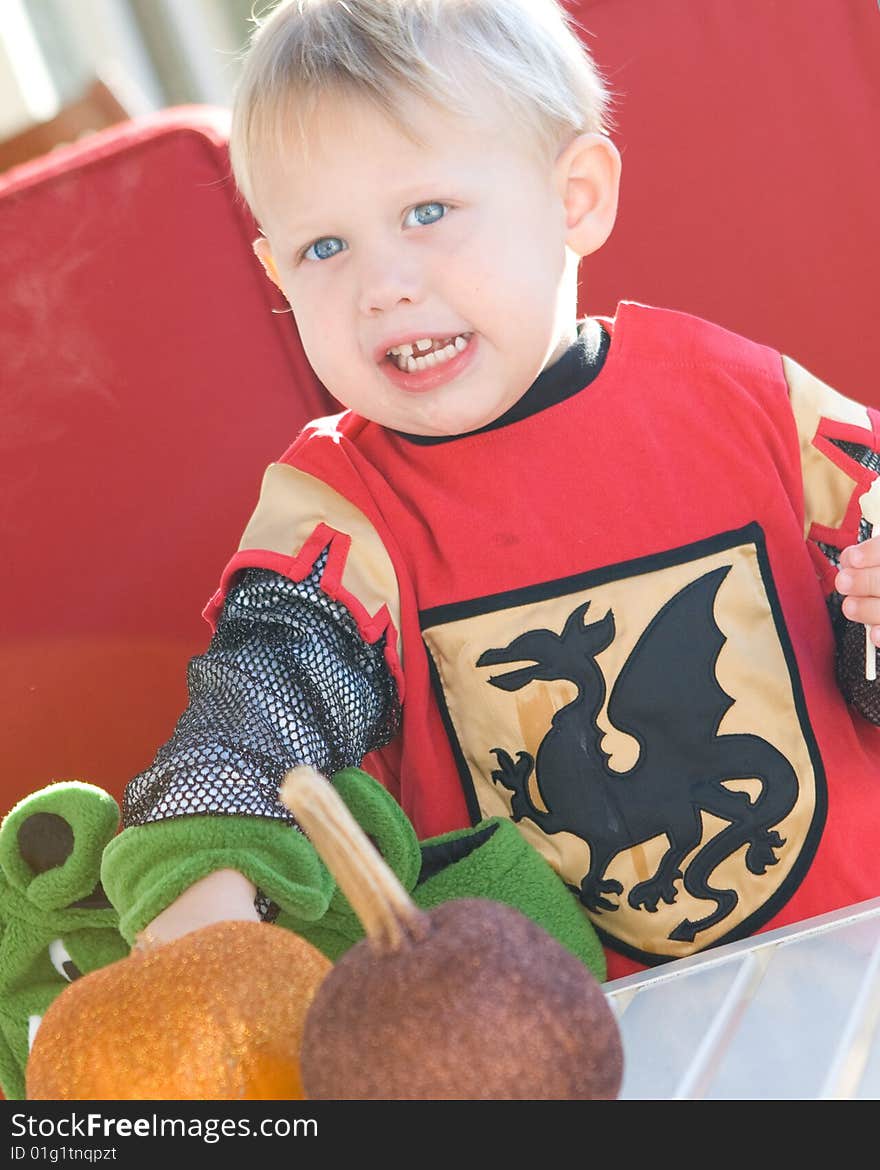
68, 67
148, 53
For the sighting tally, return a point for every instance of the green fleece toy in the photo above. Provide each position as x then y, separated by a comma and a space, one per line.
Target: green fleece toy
491, 860
147, 866
56, 922
60, 851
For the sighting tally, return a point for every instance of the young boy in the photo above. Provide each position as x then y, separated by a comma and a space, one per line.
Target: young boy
583, 573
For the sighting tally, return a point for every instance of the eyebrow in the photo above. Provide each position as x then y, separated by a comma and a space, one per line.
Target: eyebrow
427, 190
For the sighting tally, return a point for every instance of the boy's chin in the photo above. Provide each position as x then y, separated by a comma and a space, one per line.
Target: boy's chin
450, 425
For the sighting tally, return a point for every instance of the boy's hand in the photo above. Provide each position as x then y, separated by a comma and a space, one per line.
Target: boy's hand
222, 895
859, 582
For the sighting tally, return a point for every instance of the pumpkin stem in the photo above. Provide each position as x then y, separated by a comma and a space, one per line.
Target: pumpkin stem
387, 913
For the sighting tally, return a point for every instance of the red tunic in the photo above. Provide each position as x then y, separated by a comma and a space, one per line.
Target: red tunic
608, 620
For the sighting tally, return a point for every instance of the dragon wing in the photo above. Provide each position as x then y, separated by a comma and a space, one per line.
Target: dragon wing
667, 689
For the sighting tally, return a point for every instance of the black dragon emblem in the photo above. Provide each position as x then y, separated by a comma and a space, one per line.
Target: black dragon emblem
668, 698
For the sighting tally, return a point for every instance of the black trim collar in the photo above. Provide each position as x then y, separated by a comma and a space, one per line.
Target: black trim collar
569, 374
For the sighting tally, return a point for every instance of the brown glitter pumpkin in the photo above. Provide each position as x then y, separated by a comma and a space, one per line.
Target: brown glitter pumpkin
214, 1015
471, 1000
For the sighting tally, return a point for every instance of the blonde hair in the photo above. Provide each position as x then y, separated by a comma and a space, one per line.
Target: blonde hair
526, 51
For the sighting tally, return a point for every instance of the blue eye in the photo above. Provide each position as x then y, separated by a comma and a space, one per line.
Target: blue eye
324, 248
425, 213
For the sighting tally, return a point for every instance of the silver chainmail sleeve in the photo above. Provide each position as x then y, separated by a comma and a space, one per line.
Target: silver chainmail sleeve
287, 679
861, 693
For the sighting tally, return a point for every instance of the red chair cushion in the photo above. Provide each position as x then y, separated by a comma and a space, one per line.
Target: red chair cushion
145, 382
751, 173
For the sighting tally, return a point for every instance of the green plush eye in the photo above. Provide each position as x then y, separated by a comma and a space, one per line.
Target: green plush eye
62, 961
45, 841
52, 843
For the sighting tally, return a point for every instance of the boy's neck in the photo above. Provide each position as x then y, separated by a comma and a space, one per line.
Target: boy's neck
566, 341
575, 368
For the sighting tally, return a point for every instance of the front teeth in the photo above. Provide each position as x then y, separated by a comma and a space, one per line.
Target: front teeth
402, 355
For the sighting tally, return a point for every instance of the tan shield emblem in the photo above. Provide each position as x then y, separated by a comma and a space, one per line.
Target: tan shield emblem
645, 727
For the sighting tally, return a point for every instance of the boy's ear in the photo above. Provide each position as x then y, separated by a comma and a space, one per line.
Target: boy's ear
588, 179
264, 254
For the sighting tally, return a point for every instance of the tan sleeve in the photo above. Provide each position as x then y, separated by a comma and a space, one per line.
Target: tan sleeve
820, 412
292, 518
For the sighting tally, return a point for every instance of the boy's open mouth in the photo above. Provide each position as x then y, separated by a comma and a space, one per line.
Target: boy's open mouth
427, 352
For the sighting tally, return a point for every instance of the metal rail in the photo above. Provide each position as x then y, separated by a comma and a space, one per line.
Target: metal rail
788, 1014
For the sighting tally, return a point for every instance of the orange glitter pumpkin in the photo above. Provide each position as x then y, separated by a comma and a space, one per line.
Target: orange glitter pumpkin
215, 1015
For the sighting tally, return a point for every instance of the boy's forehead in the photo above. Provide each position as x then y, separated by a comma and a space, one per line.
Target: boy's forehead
340, 134
421, 122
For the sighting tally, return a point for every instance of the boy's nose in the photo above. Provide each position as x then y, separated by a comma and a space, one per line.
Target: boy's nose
387, 283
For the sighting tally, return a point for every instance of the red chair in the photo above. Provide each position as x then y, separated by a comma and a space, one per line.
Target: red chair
147, 376
751, 174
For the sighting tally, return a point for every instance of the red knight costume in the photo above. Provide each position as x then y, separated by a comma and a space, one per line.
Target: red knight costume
608, 620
